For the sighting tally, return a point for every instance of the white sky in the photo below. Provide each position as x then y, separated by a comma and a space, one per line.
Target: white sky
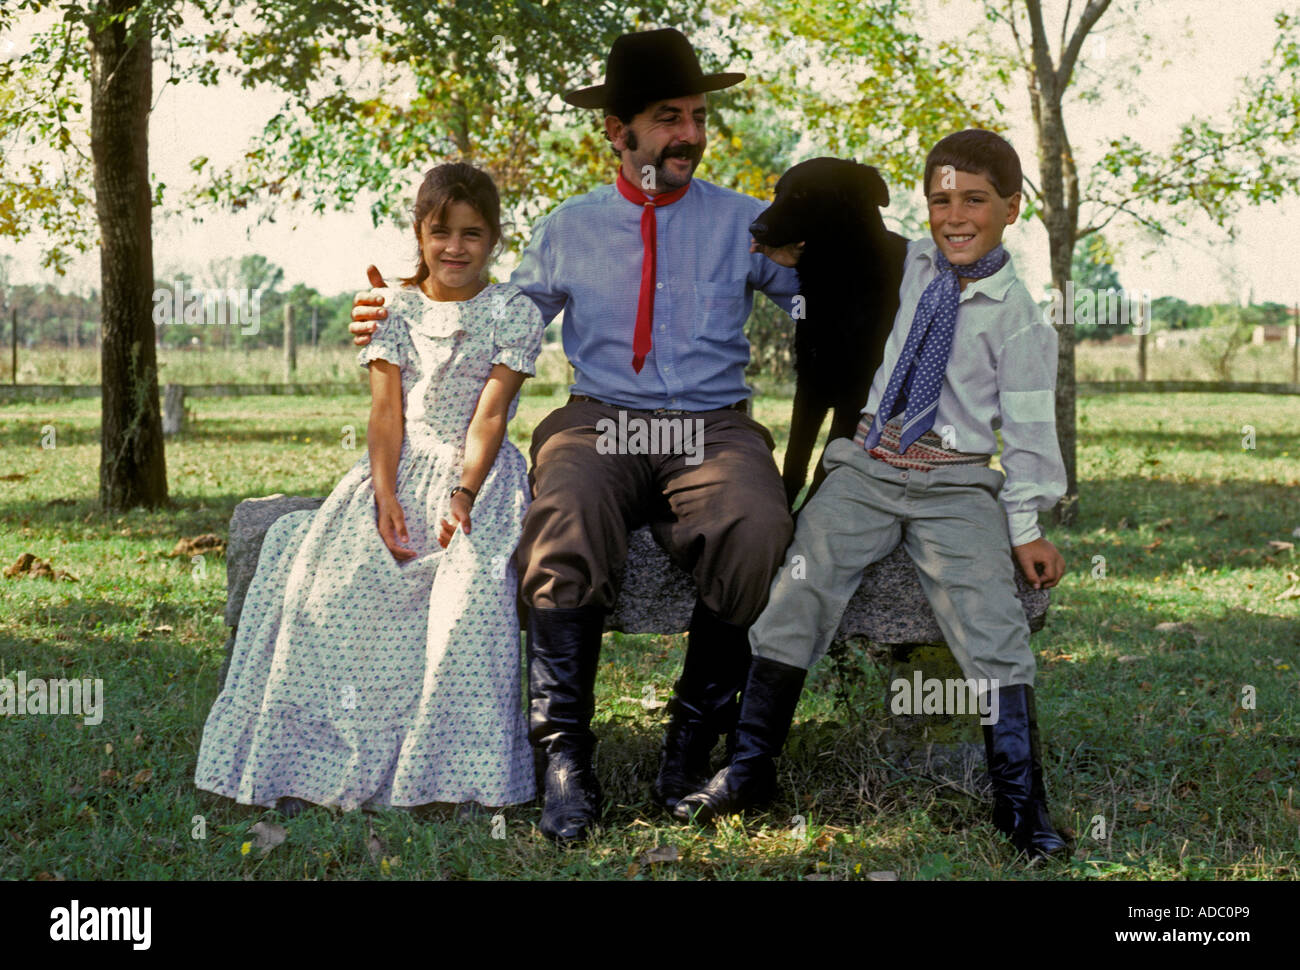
1190, 69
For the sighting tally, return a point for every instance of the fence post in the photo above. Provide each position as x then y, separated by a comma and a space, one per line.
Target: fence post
174, 409
1295, 347
290, 360
13, 357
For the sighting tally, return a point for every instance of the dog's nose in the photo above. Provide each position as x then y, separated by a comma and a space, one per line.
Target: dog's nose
758, 229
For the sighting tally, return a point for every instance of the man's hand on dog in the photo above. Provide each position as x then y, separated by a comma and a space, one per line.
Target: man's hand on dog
367, 309
1042, 565
787, 255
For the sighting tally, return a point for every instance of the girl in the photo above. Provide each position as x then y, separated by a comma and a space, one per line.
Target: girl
377, 658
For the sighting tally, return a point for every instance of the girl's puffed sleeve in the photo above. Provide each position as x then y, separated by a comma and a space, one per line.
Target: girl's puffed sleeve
391, 340
517, 338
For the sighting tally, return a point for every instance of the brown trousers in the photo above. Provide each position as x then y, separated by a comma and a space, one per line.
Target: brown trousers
717, 506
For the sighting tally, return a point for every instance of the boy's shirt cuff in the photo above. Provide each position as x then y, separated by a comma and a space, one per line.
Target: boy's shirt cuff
1023, 527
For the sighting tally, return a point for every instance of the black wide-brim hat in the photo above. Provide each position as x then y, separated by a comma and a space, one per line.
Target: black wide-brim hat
651, 65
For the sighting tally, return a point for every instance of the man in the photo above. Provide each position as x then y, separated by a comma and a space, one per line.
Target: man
655, 275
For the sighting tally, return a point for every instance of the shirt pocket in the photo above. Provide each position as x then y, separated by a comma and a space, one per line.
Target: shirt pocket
719, 311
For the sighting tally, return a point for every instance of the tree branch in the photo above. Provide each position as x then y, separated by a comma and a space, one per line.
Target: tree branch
1091, 14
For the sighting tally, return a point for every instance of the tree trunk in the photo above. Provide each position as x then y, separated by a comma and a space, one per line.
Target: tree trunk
132, 467
1060, 214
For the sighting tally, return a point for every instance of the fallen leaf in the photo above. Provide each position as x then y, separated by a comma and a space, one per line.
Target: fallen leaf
633, 869
1277, 545
142, 777
1142, 806
1288, 806
109, 775
30, 566
1155, 545
49, 877
267, 835
882, 875
208, 542
660, 853
1129, 658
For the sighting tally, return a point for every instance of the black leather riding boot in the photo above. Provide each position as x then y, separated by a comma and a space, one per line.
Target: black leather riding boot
1015, 768
703, 705
563, 651
767, 707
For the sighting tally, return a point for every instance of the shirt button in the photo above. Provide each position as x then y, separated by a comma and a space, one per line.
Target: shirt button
659, 286
903, 475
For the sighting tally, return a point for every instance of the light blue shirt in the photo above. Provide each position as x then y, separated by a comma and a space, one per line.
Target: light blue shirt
1001, 375
585, 258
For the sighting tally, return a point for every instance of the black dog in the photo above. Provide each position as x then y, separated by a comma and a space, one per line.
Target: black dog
849, 275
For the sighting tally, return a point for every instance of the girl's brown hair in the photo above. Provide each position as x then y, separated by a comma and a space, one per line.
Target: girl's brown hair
454, 182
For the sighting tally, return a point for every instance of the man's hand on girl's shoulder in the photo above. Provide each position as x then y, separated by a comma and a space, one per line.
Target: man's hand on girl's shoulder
366, 309
1042, 565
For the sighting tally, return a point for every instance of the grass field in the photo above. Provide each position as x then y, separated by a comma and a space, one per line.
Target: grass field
1148, 728
1270, 363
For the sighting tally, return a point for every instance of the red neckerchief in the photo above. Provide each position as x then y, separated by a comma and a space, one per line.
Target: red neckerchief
645, 306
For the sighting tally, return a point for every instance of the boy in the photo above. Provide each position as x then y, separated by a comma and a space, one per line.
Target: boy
969, 353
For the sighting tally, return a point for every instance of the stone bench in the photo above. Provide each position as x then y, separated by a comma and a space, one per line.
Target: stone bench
889, 610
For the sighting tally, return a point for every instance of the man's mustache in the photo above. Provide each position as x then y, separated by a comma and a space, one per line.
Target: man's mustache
692, 152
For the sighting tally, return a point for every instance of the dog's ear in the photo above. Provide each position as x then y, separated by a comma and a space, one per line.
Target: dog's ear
877, 190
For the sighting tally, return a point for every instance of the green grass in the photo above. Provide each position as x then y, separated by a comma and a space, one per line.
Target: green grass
1141, 727
1094, 361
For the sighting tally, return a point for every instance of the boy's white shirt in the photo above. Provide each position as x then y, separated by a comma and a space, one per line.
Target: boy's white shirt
1001, 374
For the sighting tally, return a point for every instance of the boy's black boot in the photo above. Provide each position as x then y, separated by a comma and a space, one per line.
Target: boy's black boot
563, 652
703, 705
767, 707
1015, 769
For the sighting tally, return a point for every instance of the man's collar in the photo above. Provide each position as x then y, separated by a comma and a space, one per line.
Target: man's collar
995, 287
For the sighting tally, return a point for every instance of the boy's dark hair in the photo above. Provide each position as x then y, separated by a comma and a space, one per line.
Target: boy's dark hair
979, 152
454, 182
